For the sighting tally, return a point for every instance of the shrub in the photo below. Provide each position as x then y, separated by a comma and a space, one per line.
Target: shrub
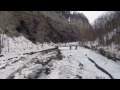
108, 55
102, 51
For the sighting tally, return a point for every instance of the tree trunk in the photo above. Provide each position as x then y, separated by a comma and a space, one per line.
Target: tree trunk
27, 45
2, 38
0, 44
8, 44
70, 47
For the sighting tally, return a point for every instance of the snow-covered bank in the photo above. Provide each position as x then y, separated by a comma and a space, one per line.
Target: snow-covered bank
111, 51
19, 45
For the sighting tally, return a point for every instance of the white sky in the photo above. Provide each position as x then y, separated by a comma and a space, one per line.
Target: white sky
92, 15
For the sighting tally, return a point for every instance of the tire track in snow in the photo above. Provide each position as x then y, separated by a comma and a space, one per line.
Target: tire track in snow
11, 76
104, 71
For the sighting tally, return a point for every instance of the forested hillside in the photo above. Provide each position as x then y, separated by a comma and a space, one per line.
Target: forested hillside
44, 26
107, 28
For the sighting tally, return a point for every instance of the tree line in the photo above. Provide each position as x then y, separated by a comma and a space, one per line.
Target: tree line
106, 24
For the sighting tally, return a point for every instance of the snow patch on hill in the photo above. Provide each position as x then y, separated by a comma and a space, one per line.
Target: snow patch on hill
18, 45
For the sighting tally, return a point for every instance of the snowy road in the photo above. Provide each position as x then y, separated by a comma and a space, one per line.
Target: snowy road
66, 64
76, 64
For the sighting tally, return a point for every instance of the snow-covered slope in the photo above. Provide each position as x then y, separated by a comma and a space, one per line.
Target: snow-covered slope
16, 52
18, 45
26, 61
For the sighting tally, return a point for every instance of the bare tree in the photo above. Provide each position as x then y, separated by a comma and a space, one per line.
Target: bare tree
6, 31
27, 44
108, 23
2, 38
8, 43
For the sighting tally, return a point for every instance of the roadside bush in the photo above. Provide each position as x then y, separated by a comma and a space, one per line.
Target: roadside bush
119, 48
108, 55
59, 55
87, 47
102, 51
1, 46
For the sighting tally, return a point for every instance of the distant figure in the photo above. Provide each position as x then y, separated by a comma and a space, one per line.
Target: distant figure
42, 46
70, 47
56, 47
76, 47
65, 43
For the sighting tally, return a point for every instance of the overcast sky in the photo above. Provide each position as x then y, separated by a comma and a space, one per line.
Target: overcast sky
92, 15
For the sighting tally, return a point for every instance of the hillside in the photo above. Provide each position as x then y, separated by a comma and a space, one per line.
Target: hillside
107, 28
58, 45
43, 26
106, 34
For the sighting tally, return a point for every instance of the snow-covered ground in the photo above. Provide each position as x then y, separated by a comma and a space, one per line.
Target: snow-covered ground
112, 50
76, 64
82, 63
11, 66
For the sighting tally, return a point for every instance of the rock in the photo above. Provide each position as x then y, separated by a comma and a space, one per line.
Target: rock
31, 53
80, 77
50, 65
102, 51
87, 47
3, 67
81, 66
98, 77
47, 71
22, 58
38, 62
35, 74
12, 77
31, 76
1, 55
112, 56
